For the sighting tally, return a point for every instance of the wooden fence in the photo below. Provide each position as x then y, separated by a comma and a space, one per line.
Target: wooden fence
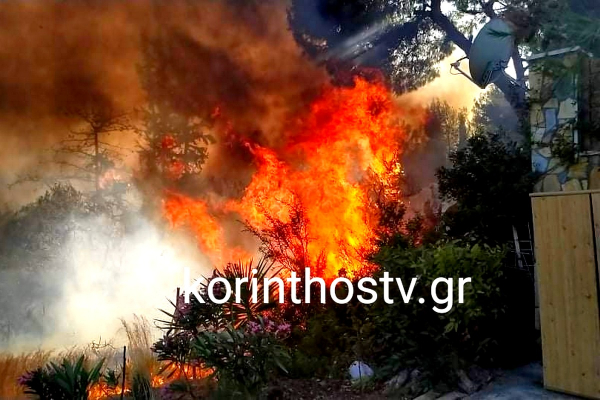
567, 249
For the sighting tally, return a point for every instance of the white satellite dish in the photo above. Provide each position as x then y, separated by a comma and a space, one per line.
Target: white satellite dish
490, 53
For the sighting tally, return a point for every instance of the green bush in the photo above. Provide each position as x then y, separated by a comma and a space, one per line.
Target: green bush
326, 347
399, 335
243, 360
414, 333
66, 381
490, 182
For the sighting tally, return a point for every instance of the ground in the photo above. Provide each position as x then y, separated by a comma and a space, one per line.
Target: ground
523, 383
519, 384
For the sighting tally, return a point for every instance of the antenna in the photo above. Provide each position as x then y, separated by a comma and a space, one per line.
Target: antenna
490, 54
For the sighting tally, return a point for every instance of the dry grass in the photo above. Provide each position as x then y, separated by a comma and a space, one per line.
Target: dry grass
13, 366
140, 359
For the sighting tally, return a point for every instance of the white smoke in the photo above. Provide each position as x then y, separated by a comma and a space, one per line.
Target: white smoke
103, 276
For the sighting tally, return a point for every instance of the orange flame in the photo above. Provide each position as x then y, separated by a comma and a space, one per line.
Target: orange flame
348, 134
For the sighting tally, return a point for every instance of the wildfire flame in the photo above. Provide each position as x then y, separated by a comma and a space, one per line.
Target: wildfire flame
348, 135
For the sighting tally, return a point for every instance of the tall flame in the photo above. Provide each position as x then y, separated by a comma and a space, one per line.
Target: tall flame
348, 135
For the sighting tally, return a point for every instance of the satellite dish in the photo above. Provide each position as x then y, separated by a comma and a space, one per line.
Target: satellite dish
490, 53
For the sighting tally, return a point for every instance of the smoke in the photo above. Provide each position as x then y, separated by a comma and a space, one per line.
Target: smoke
194, 56
98, 277
107, 280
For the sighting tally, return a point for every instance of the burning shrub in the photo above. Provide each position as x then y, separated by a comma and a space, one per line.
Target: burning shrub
233, 340
286, 241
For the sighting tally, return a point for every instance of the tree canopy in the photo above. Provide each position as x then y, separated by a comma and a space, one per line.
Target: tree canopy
490, 182
406, 39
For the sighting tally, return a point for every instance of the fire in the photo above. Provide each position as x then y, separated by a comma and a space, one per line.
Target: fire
102, 391
348, 135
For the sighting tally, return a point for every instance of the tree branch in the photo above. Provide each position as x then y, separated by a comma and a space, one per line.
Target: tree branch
518, 62
488, 8
444, 23
515, 95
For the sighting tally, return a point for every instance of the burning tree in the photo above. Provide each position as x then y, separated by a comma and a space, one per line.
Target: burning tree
175, 146
88, 155
287, 242
307, 200
174, 136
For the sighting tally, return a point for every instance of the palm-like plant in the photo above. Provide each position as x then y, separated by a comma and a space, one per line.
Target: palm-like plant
66, 381
187, 321
239, 313
76, 379
197, 316
241, 358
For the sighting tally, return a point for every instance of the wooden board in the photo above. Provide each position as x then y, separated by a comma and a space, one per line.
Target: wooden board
568, 289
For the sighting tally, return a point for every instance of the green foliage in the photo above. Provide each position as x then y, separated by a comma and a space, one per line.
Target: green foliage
225, 337
568, 23
447, 124
490, 182
67, 381
48, 222
403, 42
563, 148
39, 382
328, 343
197, 316
492, 113
239, 313
415, 333
404, 335
242, 359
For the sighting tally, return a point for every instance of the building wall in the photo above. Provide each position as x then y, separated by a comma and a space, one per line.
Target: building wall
558, 108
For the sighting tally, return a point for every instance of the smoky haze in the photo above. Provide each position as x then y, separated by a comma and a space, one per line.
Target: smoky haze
59, 56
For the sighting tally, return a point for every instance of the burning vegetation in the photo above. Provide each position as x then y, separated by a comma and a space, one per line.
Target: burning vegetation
312, 198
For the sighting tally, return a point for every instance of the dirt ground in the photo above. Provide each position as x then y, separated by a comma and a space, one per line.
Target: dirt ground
317, 389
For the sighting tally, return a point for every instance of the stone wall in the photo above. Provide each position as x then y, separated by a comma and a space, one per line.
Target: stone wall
562, 153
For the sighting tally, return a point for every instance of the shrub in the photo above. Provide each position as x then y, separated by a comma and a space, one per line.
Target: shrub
414, 333
141, 387
396, 336
490, 182
329, 341
196, 320
66, 381
244, 360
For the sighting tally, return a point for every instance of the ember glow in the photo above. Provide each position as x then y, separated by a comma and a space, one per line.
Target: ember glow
347, 136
